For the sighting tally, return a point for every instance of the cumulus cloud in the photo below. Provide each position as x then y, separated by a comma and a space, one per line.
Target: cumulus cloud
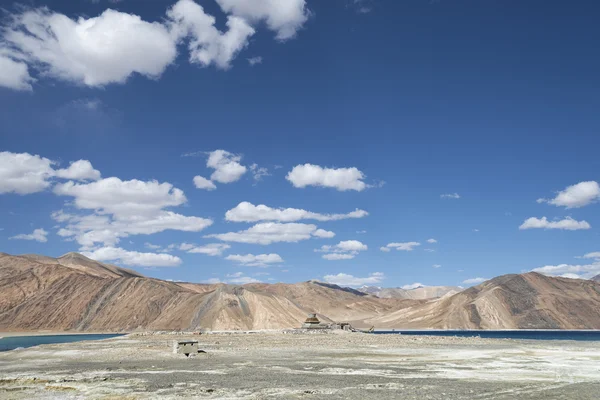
474, 281
283, 17
341, 179
81, 170
14, 74
574, 271
93, 51
226, 165
259, 260
207, 45
436, 266
39, 235
113, 46
212, 249
238, 278
133, 258
24, 173
450, 196
349, 280
202, 183
407, 246
576, 196
271, 232
248, 212
385, 249
344, 250
542, 223
122, 208
431, 241
323, 234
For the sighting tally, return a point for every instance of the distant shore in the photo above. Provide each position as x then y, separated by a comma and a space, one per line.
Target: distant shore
58, 333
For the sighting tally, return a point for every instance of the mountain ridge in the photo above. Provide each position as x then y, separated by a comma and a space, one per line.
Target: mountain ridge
74, 293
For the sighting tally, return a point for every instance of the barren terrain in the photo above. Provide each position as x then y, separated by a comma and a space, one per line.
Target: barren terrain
304, 366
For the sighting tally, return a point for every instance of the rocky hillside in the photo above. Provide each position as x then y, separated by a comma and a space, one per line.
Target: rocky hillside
78, 294
596, 278
420, 293
75, 293
527, 301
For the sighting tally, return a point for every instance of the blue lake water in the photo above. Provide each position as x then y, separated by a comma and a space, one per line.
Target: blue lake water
516, 334
14, 342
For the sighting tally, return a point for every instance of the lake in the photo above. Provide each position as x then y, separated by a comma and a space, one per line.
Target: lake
14, 342
504, 334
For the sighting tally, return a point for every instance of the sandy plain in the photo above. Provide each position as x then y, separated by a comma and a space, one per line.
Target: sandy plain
334, 365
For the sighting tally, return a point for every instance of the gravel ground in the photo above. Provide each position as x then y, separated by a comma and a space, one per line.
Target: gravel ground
336, 365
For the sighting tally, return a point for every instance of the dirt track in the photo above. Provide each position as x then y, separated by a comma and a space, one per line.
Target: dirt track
276, 365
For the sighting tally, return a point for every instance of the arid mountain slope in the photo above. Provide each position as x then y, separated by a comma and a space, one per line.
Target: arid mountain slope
78, 294
525, 301
42, 294
596, 278
420, 293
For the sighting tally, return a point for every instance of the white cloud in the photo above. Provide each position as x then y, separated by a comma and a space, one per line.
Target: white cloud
361, 232
585, 271
242, 280
152, 246
255, 60
567, 224
270, 232
94, 51
412, 286
285, 17
341, 179
111, 47
474, 281
258, 172
248, 212
133, 258
431, 241
429, 250
39, 235
14, 74
226, 165
259, 260
202, 183
212, 281
212, 249
123, 208
81, 170
344, 250
576, 196
339, 256
437, 266
323, 234
207, 44
349, 280
24, 173
407, 246
385, 249
112, 195
450, 196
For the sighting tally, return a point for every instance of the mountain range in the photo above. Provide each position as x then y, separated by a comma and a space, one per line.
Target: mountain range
417, 293
75, 293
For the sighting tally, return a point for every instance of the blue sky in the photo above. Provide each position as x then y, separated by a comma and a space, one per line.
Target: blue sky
392, 105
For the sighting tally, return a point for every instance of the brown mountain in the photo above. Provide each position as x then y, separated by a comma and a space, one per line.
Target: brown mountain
75, 293
596, 278
524, 301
